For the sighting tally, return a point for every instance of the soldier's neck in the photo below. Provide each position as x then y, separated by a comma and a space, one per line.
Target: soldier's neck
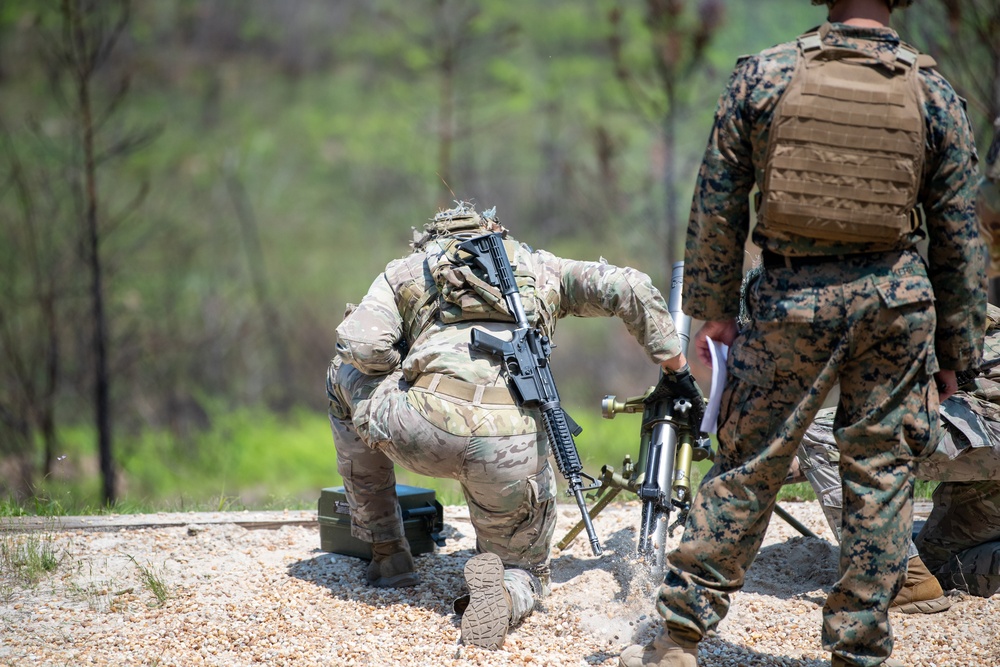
861, 13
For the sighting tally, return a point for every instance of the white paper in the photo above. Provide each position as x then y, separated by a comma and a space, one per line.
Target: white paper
719, 354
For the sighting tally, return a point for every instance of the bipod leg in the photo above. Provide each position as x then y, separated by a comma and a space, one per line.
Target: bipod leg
793, 522
593, 512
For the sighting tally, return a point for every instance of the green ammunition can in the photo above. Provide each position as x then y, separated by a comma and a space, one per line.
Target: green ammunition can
423, 522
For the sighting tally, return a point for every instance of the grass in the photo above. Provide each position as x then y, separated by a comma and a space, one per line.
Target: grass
247, 460
151, 580
101, 595
252, 460
25, 558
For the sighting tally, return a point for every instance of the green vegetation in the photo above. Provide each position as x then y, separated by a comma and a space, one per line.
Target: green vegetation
151, 580
255, 460
259, 460
25, 558
257, 168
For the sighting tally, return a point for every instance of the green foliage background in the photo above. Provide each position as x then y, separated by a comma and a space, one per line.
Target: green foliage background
330, 117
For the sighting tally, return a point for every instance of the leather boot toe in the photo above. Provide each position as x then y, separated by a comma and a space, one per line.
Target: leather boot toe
661, 652
921, 593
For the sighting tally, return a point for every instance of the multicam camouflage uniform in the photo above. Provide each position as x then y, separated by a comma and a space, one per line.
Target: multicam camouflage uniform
867, 321
960, 542
989, 200
387, 408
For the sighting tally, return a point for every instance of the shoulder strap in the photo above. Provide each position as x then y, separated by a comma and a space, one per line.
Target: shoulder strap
811, 41
907, 55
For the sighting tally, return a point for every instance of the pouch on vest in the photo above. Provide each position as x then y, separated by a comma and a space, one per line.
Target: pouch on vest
451, 291
466, 295
846, 147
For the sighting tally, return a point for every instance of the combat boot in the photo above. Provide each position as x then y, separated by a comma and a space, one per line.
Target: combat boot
486, 619
922, 593
661, 652
392, 565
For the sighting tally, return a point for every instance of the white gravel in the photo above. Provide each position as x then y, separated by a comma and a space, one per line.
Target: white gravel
236, 596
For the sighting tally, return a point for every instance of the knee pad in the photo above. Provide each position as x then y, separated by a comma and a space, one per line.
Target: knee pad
975, 571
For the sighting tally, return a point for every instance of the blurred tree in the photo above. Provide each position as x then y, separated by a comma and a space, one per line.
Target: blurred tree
454, 41
281, 394
680, 32
85, 35
964, 37
29, 323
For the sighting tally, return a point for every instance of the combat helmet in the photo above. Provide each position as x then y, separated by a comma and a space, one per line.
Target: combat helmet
461, 220
893, 4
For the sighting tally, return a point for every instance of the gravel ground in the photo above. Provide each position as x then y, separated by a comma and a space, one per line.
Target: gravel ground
235, 596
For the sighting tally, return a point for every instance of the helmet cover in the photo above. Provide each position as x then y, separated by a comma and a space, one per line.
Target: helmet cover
460, 220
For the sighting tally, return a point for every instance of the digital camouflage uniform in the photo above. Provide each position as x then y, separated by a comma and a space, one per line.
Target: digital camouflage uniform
960, 542
387, 408
867, 322
989, 200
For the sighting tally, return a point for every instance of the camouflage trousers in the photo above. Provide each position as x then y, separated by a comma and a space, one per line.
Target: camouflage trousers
869, 325
498, 453
960, 541
818, 460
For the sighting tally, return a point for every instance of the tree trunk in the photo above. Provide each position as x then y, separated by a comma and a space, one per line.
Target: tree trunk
273, 328
102, 380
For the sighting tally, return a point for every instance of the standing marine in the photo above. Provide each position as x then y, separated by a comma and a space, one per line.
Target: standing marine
859, 150
407, 388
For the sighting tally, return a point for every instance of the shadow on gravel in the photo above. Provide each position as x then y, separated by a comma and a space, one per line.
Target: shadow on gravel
441, 580
796, 568
720, 652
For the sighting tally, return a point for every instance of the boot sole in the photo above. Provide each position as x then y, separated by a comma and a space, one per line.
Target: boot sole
924, 606
485, 621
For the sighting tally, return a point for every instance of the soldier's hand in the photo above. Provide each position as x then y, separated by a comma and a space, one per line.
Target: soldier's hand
721, 331
680, 384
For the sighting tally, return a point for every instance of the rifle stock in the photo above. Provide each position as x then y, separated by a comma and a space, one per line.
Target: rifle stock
525, 358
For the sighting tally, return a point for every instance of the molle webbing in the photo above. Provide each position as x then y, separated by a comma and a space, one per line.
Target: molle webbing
415, 302
449, 291
846, 147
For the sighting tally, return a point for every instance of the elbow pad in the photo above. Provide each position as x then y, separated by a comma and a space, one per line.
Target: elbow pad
369, 358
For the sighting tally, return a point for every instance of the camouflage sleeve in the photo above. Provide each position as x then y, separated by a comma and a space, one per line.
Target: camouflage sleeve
989, 201
367, 337
720, 210
599, 289
956, 255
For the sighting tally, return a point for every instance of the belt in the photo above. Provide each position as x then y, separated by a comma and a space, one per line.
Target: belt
772, 260
467, 391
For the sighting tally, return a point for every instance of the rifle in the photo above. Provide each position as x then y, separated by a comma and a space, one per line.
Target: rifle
526, 361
